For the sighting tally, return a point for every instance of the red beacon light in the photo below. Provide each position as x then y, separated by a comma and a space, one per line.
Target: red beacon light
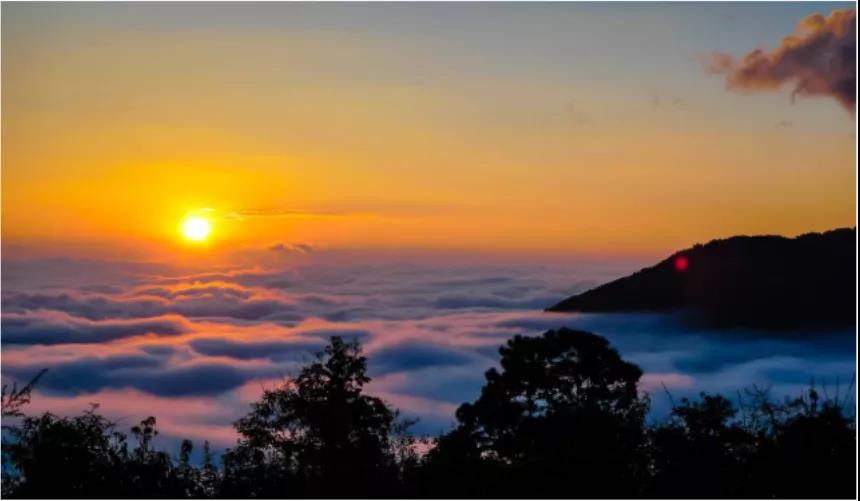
681, 263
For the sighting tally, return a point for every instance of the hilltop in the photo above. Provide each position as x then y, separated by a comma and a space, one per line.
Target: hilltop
767, 281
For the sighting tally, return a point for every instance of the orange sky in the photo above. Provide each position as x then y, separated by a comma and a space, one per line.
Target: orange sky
340, 134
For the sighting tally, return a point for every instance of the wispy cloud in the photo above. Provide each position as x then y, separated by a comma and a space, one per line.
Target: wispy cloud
281, 212
299, 248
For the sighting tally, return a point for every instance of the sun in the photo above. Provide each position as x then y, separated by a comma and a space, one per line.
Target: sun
196, 228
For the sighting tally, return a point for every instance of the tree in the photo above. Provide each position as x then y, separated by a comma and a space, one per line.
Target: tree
13, 398
86, 457
802, 448
562, 418
67, 457
317, 435
701, 450
807, 448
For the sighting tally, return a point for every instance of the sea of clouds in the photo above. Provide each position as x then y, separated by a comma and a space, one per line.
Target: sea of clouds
195, 347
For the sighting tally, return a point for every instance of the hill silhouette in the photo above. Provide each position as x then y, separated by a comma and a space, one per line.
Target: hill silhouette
770, 282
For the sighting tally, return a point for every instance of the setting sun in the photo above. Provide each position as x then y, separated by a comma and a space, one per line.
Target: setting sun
196, 228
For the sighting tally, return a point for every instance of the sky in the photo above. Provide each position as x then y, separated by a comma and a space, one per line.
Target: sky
424, 178
525, 129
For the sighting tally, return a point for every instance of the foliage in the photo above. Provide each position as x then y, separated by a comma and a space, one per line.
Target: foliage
85, 456
701, 445
13, 398
808, 449
318, 434
562, 417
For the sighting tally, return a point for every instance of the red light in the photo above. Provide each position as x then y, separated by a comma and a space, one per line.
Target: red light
681, 263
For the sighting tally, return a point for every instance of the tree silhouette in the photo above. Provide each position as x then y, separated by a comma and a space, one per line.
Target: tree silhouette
807, 449
317, 435
701, 447
208, 479
67, 457
150, 473
802, 448
562, 419
85, 456
13, 398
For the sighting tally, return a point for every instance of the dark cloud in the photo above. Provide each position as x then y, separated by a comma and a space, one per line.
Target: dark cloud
302, 346
160, 350
273, 350
347, 334
819, 60
468, 301
748, 347
452, 384
85, 374
61, 329
715, 360
202, 379
409, 356
147, 373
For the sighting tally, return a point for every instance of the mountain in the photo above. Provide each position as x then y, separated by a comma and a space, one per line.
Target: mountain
768, 282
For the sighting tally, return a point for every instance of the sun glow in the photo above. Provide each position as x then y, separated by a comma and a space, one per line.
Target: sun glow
196, 228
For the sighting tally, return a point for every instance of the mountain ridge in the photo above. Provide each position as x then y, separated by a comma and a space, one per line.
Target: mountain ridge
763, 281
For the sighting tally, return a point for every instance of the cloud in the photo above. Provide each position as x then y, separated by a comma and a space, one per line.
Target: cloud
280, 212
347, 334
453, 385
298, 248
429, 331
412, 355
200, 379
193, 302
209, 290
461, 301
144, 372
60, 328
819, 60
659, 102
656, 381
271, 349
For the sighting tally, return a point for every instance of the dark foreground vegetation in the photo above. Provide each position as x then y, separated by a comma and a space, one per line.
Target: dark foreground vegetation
562, 417
770, 282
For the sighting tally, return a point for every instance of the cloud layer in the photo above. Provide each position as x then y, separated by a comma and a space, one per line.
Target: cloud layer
819, 60
198, 347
